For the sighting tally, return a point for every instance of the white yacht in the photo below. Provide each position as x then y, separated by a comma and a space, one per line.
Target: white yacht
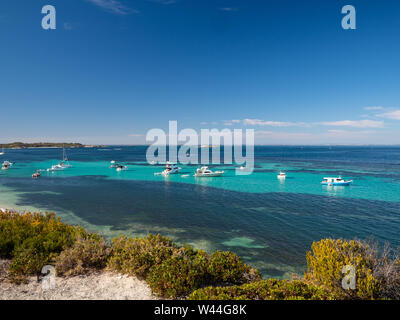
336, 181
281, 175
170, 168
64, 164
205, 172
6, 165
2, 152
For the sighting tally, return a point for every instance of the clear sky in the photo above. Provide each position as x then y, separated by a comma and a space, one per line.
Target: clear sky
113, 69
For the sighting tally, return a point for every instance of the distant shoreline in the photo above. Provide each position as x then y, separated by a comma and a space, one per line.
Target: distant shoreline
46, 145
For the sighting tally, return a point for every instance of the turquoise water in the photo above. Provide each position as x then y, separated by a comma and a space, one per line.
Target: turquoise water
269, 222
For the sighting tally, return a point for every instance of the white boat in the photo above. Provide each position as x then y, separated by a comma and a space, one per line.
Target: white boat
121, 167
64, 164
58, 167
205, 172
6, 165
336, 181
281, 175
170, 168
113, 164
2, 152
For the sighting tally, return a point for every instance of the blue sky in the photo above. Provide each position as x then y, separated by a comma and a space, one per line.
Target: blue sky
112, 70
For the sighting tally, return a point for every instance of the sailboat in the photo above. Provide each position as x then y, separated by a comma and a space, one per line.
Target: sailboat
2, 152
64, 164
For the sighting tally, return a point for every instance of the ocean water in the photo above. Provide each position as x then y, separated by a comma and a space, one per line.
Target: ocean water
270, 223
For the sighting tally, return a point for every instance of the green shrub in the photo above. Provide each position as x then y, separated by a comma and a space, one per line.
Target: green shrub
326, 260
227, 267
85, 255
137, 256
271, 289
33, 240
179, 275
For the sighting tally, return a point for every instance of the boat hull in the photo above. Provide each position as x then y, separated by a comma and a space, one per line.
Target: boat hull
211, 175
342, 184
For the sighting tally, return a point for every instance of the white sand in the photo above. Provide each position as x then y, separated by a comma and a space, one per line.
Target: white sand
100, 286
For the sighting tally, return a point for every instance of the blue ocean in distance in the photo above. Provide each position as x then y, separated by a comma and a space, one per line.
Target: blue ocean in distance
270, 223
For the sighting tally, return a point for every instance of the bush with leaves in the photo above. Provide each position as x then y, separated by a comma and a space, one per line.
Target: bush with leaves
33, 240
325, 263
86, 255
227, 267
179, 275
190, 269
136, 256
271, 289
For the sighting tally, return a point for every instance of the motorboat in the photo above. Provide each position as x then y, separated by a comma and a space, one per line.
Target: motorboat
170, 168
336, 181
36, 174
205, 172
113, 164
281, 175
6, 165
121, 167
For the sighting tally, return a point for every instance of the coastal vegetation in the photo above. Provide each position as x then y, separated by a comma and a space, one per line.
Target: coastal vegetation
22, 145
270, 289
33, 240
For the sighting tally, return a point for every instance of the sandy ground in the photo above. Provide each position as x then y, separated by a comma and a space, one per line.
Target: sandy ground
100, 286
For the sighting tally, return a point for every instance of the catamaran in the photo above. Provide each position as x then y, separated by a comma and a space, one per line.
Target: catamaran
336, 182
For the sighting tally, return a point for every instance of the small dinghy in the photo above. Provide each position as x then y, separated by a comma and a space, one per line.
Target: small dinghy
36, 174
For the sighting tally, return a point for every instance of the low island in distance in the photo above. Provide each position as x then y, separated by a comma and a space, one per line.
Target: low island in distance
22, 145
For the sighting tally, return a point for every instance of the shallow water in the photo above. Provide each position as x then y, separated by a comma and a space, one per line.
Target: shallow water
269, 222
